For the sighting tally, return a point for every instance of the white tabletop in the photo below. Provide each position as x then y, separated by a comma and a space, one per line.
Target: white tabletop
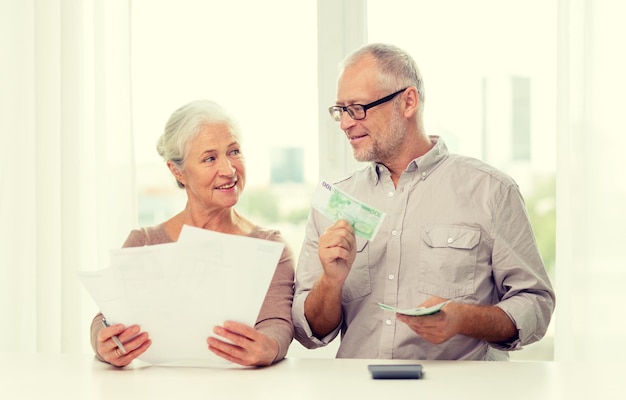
39, 376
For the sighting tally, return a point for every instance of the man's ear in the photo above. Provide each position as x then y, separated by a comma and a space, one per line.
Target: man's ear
411, 101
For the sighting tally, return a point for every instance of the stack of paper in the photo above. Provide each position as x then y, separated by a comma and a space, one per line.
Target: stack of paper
177, 292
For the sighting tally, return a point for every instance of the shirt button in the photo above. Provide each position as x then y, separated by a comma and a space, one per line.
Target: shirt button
390, 194
388, 322
423, 174
450, 240
394, 232
391, 277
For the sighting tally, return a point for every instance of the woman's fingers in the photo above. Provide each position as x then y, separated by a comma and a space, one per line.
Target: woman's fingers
133, 343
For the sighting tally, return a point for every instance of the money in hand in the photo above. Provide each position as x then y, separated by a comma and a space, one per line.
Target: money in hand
336, 204
418, 311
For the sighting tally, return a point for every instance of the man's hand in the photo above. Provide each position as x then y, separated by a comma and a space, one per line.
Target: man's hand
488, 323
436, 328
337, 251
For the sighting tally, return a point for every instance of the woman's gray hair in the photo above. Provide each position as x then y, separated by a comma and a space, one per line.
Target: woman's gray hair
397, 68
185, 123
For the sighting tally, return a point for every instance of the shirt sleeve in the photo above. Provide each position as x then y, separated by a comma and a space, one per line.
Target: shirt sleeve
524, 288
308, 271
274, 319
96, 325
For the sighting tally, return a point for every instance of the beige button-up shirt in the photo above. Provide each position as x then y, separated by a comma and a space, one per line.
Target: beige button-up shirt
456, 228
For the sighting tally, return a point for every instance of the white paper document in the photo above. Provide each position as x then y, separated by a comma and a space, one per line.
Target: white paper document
177, 292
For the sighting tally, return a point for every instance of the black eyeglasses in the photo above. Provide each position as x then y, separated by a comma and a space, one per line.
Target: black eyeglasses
357, 111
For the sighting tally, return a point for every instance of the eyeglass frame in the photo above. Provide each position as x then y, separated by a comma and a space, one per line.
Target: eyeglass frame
365, 107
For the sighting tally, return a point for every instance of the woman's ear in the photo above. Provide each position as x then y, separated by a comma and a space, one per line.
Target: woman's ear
175, 170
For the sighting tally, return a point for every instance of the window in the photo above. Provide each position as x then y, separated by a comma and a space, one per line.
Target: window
490, 85
259, 64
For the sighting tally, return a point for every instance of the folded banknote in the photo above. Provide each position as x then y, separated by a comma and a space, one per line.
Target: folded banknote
417, 311
336, 204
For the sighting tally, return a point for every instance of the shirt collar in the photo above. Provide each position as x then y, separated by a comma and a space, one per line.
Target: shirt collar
425, 164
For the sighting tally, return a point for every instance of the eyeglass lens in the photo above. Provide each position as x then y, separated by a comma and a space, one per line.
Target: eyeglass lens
358, 111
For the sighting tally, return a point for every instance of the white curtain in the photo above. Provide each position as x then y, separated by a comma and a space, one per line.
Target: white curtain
591, 187
67, 185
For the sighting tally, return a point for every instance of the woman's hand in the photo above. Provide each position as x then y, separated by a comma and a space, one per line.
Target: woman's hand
134, 342
247, 347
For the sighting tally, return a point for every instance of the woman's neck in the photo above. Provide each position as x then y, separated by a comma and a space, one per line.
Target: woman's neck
223, 220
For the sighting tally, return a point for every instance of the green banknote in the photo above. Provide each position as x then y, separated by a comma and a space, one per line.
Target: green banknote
415, 311
336, 204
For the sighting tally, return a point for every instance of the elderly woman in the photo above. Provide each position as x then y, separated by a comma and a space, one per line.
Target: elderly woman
202, 149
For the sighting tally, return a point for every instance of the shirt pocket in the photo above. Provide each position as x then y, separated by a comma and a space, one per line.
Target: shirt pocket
358, 282
448, 254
